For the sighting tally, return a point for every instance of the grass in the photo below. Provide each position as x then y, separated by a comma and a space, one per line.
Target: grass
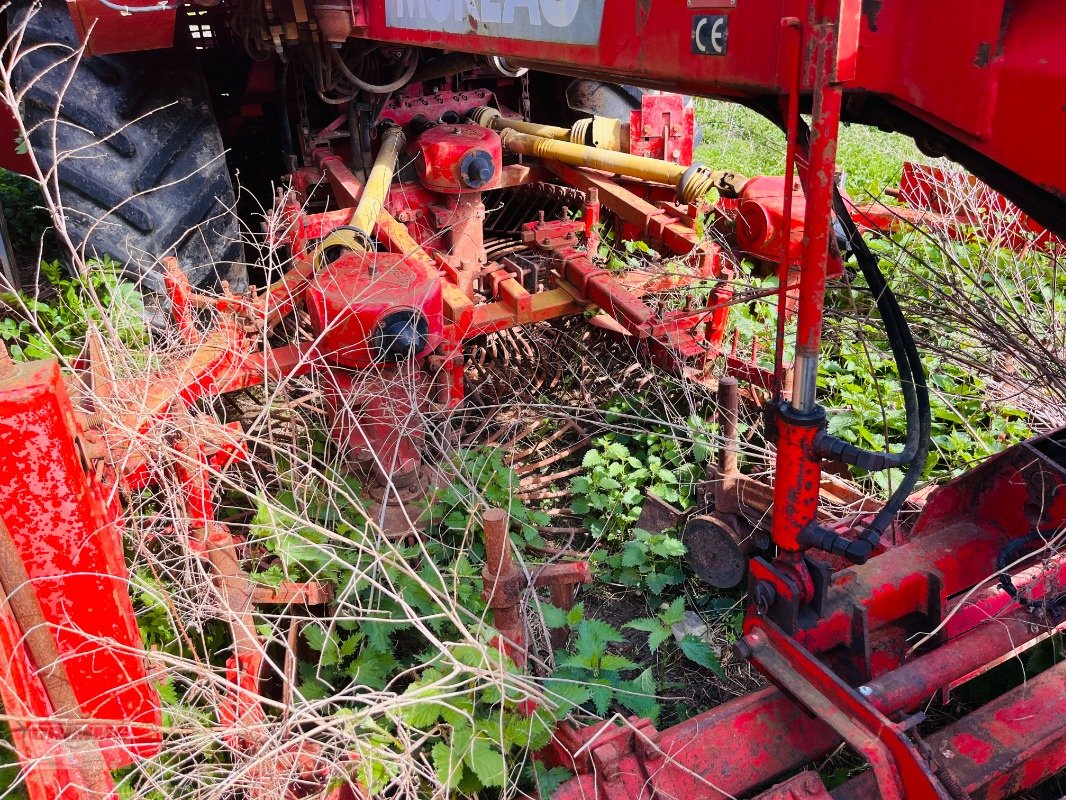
737, 138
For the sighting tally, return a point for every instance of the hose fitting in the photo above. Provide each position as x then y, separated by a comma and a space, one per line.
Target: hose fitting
833, 448
857, 551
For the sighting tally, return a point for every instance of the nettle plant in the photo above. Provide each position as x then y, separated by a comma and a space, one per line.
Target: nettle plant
481, 479
661, 627
481, 730
648, 560
476, 715
619, 470
587, 675
44, 326
410, 623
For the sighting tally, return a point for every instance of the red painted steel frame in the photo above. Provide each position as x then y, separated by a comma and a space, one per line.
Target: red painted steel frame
66, 530
971, 73
978, 80
943, 579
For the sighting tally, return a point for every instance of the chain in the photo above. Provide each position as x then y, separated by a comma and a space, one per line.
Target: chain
524, 83
302, 120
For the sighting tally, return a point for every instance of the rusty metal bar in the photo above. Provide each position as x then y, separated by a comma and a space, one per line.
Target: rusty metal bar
728, 416
498, 561
964, 657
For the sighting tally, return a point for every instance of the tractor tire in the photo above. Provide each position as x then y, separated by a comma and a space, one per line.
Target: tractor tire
150, 178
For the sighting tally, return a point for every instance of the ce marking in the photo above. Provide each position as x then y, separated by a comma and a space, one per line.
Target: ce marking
710, 34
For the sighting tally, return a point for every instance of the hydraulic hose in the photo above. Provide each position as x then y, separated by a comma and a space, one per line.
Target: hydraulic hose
357, 233
406, 71
444, 67
900, 342
916, 400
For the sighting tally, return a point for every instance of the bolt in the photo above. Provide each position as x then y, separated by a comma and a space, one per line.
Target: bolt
865, 691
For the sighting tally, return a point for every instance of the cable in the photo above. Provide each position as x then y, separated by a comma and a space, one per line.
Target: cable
406, 71
281, 83
900, 341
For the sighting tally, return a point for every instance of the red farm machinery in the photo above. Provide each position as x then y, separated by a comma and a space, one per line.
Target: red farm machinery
441, 189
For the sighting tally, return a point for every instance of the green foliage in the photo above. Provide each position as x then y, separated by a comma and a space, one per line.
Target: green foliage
620, 469
481, 481
648, 560
41, 328
20, 198
737, 138
10, 789
548, 780
660, 628
153, 616
858, 381
478, 727
591, 677
633, 253
860, 385
618, 472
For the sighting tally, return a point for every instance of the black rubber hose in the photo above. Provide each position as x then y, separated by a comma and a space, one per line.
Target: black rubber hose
913, 381
899, 340
445, 66
403, 76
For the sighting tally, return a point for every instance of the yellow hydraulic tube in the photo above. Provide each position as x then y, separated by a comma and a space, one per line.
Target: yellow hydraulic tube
356, 233
692, 183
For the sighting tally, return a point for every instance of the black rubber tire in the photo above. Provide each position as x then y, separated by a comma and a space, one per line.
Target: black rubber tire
158, 184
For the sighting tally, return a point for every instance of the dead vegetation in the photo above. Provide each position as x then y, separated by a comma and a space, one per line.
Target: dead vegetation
394, 686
